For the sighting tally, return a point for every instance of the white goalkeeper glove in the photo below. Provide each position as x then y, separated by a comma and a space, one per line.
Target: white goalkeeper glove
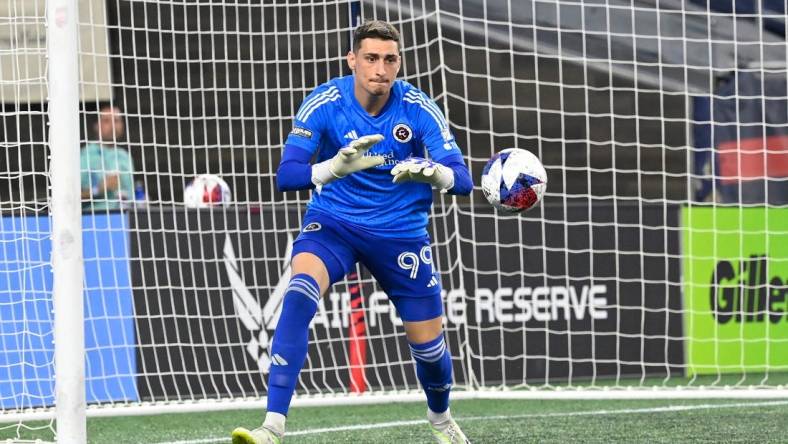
423, 170
349, 159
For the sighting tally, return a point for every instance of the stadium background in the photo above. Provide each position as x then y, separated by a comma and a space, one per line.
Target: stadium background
211, 88
200, 83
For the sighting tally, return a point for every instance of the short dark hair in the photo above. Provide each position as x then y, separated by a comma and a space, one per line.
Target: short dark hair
374, 29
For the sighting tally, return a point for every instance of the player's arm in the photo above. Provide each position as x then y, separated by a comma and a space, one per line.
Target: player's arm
126, 179
450, 175
84, 175
296, 173
295, 170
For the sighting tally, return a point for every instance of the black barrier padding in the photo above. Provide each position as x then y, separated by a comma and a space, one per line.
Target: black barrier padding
194, 344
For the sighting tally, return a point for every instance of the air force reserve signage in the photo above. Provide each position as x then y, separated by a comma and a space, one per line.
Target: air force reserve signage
208, 286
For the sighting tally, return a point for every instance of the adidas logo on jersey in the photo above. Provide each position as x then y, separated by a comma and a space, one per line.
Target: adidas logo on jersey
433, 282
351, 135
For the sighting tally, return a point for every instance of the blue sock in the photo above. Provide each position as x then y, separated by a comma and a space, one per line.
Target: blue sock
434, 370
291, 339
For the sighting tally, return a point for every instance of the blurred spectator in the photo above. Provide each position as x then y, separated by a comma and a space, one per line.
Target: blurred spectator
107, 169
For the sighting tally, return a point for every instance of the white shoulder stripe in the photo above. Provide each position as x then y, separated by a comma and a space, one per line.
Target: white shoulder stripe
314, 102
428, 105
435, 116
317, 96
431, 113
429, 102
424, 99
307, 112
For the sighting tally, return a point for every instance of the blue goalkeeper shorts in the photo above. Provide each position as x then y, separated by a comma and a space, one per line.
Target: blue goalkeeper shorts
403, 267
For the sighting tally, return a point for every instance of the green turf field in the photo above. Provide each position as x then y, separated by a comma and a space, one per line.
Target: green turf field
484, 421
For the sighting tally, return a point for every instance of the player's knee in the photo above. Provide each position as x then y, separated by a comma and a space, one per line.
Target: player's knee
311, 265
431, 352
421, 332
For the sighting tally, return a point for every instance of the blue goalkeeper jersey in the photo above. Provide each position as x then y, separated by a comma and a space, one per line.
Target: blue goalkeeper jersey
412, 125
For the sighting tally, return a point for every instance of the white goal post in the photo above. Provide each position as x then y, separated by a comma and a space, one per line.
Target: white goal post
655, 267
65, 210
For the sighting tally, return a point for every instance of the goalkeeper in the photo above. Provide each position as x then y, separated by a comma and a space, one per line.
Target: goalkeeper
370, 134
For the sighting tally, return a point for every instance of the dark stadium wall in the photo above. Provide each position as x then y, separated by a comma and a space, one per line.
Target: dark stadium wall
601, 300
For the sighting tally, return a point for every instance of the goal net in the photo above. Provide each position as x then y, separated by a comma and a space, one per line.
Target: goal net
655, 266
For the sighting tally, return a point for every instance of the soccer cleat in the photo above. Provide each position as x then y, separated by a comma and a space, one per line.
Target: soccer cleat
260, 435
448, 432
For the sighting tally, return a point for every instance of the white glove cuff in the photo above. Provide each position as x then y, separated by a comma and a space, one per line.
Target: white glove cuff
321, 173
445, 178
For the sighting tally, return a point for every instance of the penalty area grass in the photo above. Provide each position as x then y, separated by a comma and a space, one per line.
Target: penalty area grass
482, 420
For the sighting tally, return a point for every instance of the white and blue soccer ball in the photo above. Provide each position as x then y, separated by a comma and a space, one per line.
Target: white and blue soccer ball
514, 180
207, 190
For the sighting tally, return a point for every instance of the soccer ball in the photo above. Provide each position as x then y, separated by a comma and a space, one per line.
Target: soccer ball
514, 180
206, 190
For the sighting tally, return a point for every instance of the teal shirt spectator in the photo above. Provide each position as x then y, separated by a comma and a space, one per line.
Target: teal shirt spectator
96, 162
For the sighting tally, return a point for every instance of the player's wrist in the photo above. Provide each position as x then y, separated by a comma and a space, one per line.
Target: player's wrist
426, 171
323, 174
444, 178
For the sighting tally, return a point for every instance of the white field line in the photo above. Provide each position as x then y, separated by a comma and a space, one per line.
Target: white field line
460, 419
